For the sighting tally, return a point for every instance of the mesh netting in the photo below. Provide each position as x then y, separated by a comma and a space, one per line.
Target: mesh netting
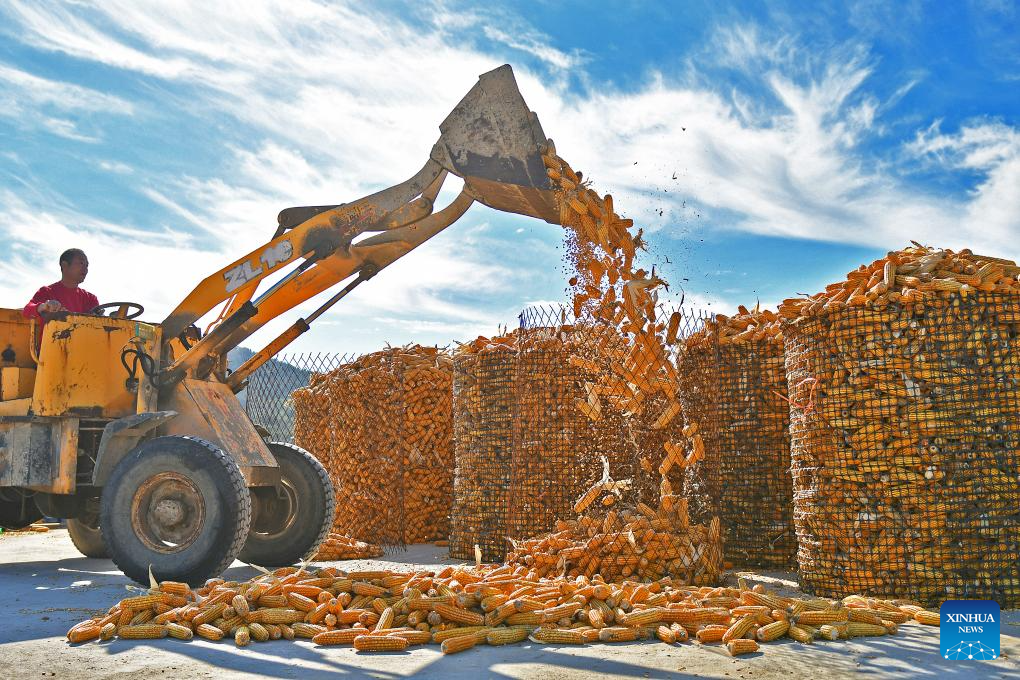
698, 394
267, 397
756, 500
483, 396
560, 433
382, 427
905, 449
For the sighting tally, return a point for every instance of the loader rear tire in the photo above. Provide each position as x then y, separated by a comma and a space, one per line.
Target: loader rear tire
85, 532
178, 505
290, 522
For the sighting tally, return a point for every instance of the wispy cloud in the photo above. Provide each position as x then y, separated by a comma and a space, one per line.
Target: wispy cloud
33, 102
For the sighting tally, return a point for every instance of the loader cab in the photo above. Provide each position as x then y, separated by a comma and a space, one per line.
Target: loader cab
85, 366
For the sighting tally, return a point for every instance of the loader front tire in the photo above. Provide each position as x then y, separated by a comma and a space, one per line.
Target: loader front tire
289, 522
177, 504
85, 533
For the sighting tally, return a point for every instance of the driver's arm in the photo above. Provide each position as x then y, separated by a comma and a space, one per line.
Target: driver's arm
40, 299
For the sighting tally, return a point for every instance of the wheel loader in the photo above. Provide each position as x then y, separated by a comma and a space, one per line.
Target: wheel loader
131, 429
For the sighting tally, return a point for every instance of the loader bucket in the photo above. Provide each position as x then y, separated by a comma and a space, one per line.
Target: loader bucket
494, 143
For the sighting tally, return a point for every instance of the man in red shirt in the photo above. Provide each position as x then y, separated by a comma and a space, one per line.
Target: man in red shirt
64, 295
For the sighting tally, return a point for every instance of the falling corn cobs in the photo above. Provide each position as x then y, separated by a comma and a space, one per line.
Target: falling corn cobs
638, 378
483, 410
736, 370
561, 432
340, 547
608, 290
460, 608
383, 417
904, 395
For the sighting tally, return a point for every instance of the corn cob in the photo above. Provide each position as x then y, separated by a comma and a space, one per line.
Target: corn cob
643, 617
379, 643
459, 644
772, 631
558, 636
741, 646
242, 636
300, 602
507, 636
739, 628
443, 635
142, 617
272, 601
240, 605
208, 614
832, 632
337, 637
815, 618
208, 632
803, 635
306, 630
666, 634
864, 616
274, 615
414, 637
385, 619
712, 633
458, 615
176, 630
864, 629
83, 632
618, 634
526, 619
258, 632
927, 618
146, 631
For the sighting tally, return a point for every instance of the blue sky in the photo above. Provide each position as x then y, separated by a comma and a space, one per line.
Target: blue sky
766, 149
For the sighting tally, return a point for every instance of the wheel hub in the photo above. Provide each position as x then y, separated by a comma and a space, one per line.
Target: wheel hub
168, 512
275, 510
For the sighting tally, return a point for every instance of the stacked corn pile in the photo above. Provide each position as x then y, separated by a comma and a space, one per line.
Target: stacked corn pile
459, 609
388, 443
483, 407
694, 472
752, 436
340, 547
560, 430
904, 421
428, 463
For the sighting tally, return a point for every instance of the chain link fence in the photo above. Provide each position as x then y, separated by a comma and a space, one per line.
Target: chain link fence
268, 395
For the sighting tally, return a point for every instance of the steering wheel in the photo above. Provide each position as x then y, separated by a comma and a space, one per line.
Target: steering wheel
122, 310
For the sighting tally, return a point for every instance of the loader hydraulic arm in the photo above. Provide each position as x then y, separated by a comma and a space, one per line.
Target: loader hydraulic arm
490, 140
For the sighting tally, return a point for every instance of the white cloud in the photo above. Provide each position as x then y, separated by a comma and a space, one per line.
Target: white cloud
991, 149
29, 101
116, 167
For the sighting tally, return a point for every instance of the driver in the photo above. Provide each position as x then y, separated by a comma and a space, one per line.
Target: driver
65, 295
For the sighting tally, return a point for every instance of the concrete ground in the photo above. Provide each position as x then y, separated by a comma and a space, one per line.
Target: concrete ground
46, 586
